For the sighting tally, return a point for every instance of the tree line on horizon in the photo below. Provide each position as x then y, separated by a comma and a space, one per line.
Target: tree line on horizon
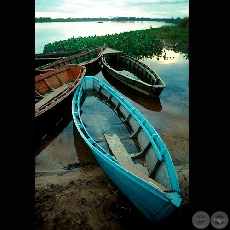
48, 19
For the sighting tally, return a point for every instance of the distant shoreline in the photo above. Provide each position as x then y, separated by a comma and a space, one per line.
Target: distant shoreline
119, 19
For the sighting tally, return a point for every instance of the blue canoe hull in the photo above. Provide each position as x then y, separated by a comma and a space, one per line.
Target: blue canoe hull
144, 193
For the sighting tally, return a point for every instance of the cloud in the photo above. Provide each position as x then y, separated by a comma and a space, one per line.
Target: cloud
107, 8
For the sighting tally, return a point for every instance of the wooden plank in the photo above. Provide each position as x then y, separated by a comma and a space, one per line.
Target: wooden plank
144, 177
117, 148
121, 154
51, 95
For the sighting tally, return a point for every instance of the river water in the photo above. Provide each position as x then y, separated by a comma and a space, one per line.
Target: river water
169, 114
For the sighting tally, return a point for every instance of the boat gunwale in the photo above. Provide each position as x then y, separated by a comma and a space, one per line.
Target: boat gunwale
143, 65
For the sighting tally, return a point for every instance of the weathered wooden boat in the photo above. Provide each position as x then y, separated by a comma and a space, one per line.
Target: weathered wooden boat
85, 58
42, 59
132, 72
149, 103
127, 147
55, 85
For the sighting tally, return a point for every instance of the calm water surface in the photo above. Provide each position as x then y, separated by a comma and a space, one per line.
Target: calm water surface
168, 114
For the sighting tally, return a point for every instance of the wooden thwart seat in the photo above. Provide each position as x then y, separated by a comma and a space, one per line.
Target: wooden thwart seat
121, 154
125, 159
51, 95
144, 177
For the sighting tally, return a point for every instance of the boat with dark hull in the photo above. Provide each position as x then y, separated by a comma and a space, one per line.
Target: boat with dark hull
45, 58
127, 147
133, 73
84, 58
149, 103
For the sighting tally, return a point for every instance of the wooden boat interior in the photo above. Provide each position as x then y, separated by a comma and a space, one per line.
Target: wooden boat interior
131, 67
53, 85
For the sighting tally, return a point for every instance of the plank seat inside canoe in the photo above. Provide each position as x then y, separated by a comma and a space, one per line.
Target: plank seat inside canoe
119, 151
50, 95
144, 176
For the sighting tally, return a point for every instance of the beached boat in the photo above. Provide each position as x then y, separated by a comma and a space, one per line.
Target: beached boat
54, 86
132, 72
84, 58
42, 59
127, 148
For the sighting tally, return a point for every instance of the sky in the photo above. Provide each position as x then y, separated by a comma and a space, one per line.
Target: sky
111, 8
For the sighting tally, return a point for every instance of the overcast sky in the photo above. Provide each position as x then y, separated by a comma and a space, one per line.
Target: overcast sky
111, 8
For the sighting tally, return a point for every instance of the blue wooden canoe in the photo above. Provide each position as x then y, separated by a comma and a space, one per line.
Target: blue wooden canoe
127, 148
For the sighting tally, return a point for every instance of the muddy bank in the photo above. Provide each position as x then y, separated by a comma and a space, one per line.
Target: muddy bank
85, 198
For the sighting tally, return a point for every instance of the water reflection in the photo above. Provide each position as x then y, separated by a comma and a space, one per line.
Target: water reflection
62, 147
84, 154
60, 154
49, 128
153, 103
168, 57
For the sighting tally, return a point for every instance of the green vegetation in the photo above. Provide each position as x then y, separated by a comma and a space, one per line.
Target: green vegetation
175, 37
140, 43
